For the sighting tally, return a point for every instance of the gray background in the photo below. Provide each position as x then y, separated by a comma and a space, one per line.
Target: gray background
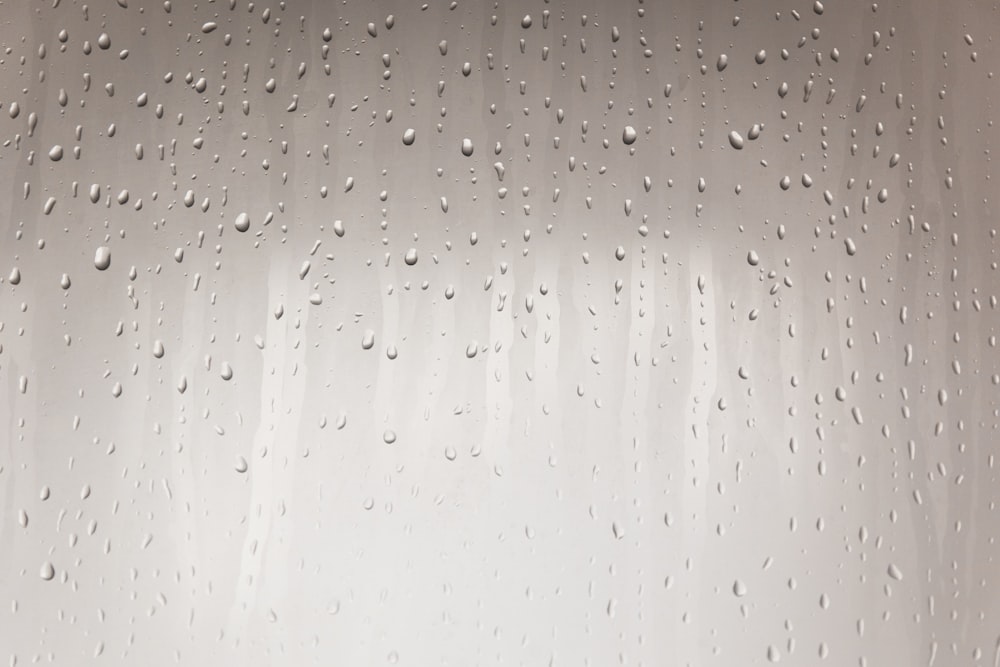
660, 452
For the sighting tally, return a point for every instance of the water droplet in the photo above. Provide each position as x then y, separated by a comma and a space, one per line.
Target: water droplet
102, 258
629, 135
368, 340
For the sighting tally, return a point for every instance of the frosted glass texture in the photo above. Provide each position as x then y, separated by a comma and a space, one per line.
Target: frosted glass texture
519, 333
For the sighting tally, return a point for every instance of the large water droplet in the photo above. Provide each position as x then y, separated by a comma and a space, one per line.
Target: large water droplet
102, 258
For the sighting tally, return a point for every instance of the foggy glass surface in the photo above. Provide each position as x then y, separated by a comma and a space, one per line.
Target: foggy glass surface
526, 333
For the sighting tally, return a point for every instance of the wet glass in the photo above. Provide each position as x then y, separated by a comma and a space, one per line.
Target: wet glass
514, 333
